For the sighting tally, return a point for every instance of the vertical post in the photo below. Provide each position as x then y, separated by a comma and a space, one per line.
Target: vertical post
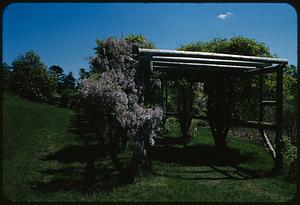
144, 142
165, 103
166, 97
147, 86
279, 114
218, 110
261, 113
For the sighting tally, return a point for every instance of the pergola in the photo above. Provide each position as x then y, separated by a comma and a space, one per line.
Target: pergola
217, 70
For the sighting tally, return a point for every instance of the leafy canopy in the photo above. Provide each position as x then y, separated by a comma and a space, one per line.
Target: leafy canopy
30, 77
238, 45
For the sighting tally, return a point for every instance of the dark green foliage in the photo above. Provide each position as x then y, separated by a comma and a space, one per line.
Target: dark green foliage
140, 41
6, 75
58, 74
70, 98
66, 94
69, 81
83, 74
237, 45
31, 79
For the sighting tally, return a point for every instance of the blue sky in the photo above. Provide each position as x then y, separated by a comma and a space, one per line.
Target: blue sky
65, 34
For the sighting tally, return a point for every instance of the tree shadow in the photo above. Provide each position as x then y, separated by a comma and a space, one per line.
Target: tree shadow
198, 155
87, 167
169, 141
74, 179
210, 156
83, 167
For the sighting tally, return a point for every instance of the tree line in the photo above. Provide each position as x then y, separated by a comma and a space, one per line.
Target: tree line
30, 78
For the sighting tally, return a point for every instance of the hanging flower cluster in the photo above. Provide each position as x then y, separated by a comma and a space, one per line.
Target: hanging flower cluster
114, 89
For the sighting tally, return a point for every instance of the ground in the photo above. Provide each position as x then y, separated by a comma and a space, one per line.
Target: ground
34, 169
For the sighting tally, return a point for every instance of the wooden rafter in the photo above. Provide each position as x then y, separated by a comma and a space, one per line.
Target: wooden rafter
158, 52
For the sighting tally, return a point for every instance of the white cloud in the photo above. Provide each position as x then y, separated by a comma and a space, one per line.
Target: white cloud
224, 16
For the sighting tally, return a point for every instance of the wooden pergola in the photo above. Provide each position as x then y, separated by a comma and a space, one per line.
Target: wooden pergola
216, 69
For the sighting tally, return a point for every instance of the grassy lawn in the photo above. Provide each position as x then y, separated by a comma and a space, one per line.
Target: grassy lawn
196, 172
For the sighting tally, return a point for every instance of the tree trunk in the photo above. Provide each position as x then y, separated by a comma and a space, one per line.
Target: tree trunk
219, 111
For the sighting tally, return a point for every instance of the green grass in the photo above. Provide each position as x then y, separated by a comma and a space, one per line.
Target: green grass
193, 173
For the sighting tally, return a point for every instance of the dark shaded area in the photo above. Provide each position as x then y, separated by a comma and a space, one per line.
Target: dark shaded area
208, 155
87, 165
169, 141
74, 179
95, 169
197, 155
78, 153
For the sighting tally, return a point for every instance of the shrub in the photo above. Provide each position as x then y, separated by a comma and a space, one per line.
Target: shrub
290, 158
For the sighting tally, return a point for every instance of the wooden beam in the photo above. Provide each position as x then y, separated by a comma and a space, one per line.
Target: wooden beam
254, 124
268, 103
268, 143
175, 114
200, 117
158, 52
209, 61
270, 69
261, 89
199, 66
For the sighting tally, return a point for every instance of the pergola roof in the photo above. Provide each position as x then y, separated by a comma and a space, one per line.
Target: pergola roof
173, 60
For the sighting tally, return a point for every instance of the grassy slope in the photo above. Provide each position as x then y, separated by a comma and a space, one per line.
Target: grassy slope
32, 131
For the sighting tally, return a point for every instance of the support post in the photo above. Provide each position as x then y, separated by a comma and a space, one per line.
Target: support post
279, 112
185, 111
165, 102
261, 108
147, 86
218, 111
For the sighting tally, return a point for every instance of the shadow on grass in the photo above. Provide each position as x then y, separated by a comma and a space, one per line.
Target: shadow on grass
198, 155
74, 179
210, 156
93, 168
86, 166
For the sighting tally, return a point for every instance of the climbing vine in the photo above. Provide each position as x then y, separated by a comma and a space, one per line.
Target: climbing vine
114, 95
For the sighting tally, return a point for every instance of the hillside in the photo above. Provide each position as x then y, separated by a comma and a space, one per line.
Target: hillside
33, 131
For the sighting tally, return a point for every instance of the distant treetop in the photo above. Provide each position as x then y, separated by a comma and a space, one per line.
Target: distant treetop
238, 45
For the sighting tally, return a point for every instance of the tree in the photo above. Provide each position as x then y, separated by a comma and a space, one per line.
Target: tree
238, 45
115, 101
68, 91
31, 79
6, 75
69, 81
83, 74
140, 41
58, 74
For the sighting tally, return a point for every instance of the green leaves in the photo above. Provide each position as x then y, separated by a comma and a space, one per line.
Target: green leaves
30, 78
237, 45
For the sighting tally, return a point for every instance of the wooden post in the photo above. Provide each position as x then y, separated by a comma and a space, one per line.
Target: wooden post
261, 108
165, 103
148, 100
279, 112
146, 78
185, 111
166, 106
